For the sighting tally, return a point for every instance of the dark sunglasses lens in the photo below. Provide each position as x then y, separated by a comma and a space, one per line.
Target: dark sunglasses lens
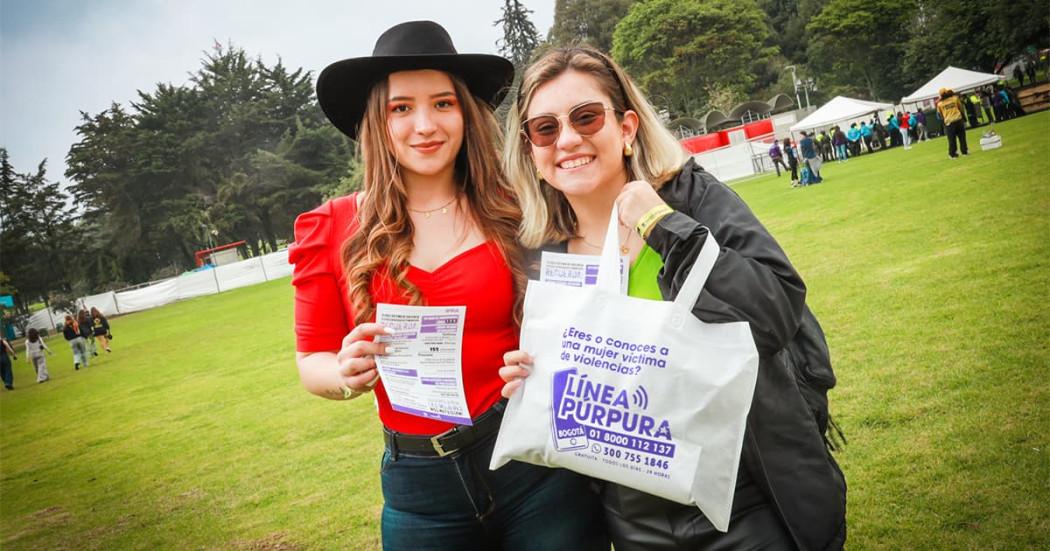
588, 119
542, 131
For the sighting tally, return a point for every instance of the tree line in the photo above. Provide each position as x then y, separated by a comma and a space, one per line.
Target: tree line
692, 56
242, 148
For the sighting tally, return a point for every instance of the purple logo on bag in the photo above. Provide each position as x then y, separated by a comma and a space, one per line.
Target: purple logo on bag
568, 434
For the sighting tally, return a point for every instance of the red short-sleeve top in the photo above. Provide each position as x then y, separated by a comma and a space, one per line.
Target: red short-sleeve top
478, 278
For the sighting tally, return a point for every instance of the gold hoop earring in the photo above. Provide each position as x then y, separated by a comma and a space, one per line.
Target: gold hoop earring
627, 149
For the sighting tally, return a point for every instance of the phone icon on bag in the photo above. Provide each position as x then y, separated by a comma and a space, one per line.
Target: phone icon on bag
568, 433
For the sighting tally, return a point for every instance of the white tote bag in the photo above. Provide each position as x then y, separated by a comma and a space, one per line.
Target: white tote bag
634, 391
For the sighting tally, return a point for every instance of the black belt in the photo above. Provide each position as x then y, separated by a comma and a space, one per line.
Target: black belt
455, 439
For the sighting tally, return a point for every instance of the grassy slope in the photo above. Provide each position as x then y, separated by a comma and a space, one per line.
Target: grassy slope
929, 275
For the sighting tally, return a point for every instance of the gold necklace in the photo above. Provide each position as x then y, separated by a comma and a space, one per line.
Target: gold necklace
442, 208
624, 249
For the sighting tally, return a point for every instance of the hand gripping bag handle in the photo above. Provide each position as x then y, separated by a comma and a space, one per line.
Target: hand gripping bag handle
609, 265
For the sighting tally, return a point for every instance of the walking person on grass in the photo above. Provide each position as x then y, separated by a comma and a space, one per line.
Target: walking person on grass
35, 349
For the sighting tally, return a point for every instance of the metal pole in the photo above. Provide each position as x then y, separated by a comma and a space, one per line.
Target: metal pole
263, 266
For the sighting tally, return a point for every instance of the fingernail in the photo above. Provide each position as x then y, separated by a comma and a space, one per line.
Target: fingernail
389, 331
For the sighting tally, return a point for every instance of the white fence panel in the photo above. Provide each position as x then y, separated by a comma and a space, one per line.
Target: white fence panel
105, 302
42, 320
727, 163
206, 282
195, 284
155, 295
240, 274
276, 265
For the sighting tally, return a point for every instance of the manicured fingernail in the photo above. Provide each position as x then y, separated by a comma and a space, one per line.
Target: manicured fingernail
388, 331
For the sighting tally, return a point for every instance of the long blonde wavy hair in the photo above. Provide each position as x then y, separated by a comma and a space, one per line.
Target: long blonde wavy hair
383, 241
547, 216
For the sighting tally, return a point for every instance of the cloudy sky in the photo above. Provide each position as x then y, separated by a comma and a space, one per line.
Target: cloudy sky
61, 57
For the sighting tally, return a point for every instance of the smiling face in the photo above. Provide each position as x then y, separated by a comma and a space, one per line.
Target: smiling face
424, 122
576, 164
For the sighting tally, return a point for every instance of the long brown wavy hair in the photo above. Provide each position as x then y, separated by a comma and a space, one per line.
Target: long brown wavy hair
383, 241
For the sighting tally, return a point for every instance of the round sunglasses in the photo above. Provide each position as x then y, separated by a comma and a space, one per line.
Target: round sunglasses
586, 120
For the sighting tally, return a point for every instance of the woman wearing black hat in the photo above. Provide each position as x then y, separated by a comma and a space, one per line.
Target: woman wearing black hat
435, 225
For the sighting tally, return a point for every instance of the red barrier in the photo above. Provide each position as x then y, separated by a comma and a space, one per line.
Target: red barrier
714, 140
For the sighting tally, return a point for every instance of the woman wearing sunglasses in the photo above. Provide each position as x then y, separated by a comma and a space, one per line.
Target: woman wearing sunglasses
581, 138
435, 225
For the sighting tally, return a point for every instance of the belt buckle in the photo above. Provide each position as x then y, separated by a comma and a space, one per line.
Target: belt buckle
437, 445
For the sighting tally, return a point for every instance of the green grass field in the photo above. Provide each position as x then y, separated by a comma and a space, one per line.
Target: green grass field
931, 277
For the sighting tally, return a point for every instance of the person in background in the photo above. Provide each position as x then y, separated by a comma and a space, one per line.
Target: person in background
905, 126
826, 152
87, 331
71, 332
100, 328
792, 156
920, 125
789, 492
1014, 102
853, 137
986, 104
435, 224
878, 132
777, 156
970, 111
6, 355
1019, 74
895, 130
1029, 69
35, 349
974, 99
808, 147
951, 111
997, 105
865, 135
838, 138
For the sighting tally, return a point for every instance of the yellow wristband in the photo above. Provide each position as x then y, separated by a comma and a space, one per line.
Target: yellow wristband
649, 219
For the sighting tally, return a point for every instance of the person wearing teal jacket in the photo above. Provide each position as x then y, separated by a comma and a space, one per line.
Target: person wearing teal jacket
865, 134
853, 135
895, 130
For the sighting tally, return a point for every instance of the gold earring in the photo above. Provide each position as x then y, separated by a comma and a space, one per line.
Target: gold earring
627, 149
539, 175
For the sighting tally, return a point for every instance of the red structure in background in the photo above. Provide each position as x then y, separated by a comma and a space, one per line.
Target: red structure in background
199, 255
715, 140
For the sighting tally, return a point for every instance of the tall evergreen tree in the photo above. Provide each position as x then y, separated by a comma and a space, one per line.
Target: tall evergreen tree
519, 34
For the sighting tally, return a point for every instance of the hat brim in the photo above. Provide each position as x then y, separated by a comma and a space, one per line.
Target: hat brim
343, 87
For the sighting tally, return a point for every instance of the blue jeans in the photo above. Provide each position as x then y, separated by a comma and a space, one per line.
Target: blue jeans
457, 503
842, 152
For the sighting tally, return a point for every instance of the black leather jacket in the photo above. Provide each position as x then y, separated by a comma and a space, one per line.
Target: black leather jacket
753, 281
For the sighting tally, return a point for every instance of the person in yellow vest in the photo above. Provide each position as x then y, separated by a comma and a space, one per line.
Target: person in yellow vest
975, 100
950, 107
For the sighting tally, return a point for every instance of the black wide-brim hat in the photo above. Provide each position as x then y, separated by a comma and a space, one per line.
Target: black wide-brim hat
343, 87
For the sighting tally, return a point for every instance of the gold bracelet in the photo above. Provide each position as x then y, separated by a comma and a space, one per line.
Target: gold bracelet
649, 219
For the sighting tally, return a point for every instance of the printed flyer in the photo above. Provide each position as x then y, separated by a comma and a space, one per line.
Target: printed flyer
422, 369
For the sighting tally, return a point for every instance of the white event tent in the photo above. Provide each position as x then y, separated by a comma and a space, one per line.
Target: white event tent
839, 109
959, 80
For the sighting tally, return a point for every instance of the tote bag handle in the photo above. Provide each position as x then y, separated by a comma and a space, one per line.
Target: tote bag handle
609, 265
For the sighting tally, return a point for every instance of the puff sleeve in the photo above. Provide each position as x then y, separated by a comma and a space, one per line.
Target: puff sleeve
320, 316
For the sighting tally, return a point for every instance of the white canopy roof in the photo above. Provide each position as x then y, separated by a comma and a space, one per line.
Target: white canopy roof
953, 77
838, 110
